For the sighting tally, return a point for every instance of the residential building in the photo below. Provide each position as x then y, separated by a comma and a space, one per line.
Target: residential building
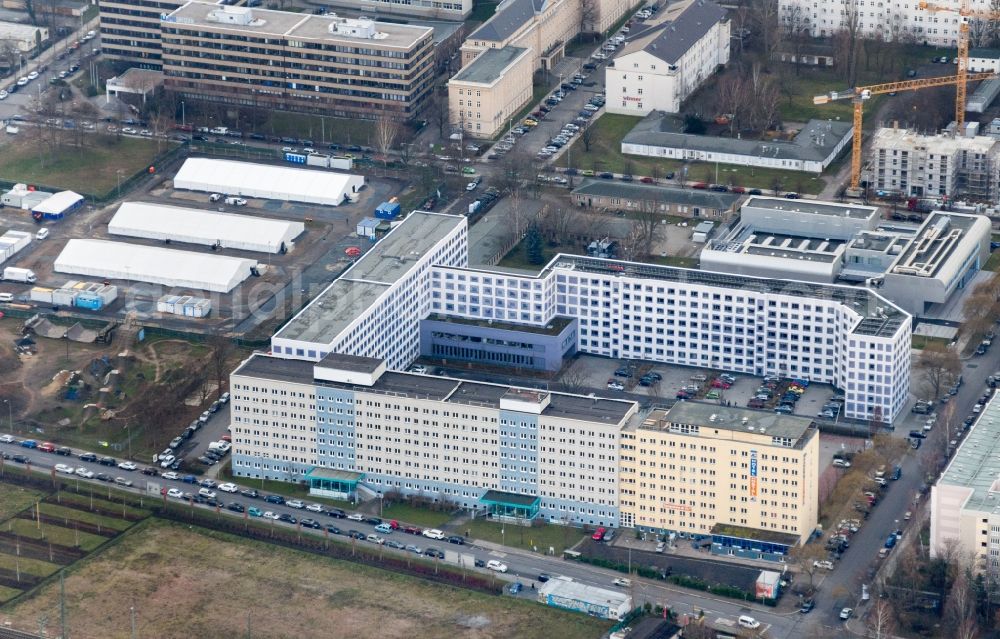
812, 149
849, 337
431, 9
130, 30
516, 453
965, 500
981, 60
749, 479
264, 59
892, 21
660, 68
26, 38
662, 200
544, 27
489, 91
940, 165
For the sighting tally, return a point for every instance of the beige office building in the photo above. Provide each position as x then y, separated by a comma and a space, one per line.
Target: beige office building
297, 62
486, 94
747, 478
130, 29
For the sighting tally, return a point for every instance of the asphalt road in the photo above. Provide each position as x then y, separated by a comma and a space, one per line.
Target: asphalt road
522, 566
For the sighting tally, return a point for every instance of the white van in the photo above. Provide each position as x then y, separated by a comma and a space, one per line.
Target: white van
433, 533
42, 234
6, 297
236, 201
748, 622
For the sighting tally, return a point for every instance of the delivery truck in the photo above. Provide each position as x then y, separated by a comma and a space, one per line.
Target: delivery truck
13, 274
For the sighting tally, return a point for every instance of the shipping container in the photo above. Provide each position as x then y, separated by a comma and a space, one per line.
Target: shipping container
42, 295
63, 297
184, 305
388, 210
11, 242
89, 301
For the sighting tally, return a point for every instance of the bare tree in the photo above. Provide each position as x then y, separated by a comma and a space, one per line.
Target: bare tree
982, 308
938, 365
731, 97
221, 351
881, 620
587, 136
589, 13
805, 558
438, 112
386, 131
847, 41
768, 28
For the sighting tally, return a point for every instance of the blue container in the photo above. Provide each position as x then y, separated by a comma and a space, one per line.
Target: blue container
88, 301
388, 210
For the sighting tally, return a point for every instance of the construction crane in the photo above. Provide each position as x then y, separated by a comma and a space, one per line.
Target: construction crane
965, 14
859, 95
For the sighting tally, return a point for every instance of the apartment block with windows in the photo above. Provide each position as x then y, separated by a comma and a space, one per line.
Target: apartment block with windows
442, 438
130, 30
746, 478
489, 91
892, 21
297, 62
910, 163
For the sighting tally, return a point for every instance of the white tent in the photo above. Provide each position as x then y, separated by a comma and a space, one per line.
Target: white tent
313, 186
244, 232
183, 269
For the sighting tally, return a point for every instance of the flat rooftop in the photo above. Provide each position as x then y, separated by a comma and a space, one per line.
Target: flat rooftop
643, 192
555, 326
489, 65
393, 256
298, 26
934, 244
351, 363
731, 418
813, 207
880, 317
592, 409
362, 284
976, 463
751, 241
332, 311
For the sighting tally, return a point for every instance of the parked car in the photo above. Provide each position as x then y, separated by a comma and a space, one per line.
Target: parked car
496, 565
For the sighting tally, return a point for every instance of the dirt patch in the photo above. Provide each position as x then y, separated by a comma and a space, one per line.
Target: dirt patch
175, 577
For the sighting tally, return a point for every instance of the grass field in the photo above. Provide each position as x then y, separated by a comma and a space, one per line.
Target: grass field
518, 257
320, 129
195, 583
27, 566
55, 534
993, 263
559, 537
921, 342
7, 594
90, 169
71, 514
418, 516
14, 499
605, 155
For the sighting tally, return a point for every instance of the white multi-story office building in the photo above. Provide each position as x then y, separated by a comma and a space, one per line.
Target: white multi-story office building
514, 451
852, 338
899, 20
660, 68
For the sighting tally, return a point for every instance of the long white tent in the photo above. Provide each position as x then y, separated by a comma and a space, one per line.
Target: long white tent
194, 226
182, 269
229, 177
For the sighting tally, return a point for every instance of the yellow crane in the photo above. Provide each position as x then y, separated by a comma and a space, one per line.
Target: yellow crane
859, 95
964, 14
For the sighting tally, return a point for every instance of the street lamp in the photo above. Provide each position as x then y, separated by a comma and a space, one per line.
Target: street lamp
10, 414
183, 118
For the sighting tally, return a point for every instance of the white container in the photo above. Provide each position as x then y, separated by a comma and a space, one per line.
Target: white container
41, 294
63, 297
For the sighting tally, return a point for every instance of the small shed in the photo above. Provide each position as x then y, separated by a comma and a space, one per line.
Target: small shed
367, 226
702, 232
57, 206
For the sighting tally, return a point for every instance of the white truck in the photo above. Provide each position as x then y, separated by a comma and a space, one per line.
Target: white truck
14, 274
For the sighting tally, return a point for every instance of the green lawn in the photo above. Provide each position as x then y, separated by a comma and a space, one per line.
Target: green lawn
55, 534
993, 263
605, 155
27, 566
69, 515
541, 537
6, 594
418, 516
283, 488
518, 257
91, 169
320, 129
921, 342
14, 499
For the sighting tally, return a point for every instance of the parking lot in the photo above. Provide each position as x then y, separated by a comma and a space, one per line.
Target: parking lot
596, 372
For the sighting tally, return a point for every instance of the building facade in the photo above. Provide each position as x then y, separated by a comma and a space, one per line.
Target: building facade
489, 91
965, 515
658, 70
444, 439
257, 58
130, 30
851, 338
945, 164
812, 149
689, 203
732, 473
893, 21
25, 38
